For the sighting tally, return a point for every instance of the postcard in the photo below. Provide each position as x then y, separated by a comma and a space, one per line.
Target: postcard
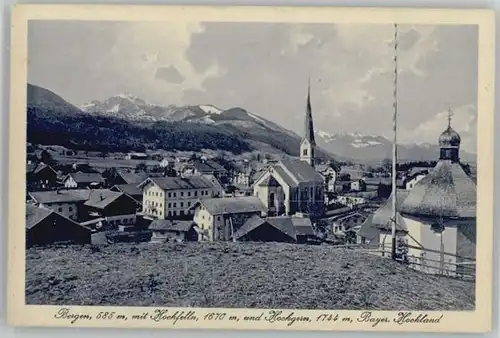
251, 168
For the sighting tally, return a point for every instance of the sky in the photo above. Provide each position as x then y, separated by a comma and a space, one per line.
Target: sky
264, 68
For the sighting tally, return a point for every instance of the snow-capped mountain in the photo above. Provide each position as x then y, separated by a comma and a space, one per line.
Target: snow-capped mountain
132, 108
370, 147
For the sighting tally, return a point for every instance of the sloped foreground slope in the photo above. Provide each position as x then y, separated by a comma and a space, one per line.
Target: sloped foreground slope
234, 275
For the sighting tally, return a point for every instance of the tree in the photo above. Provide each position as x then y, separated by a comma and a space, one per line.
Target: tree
170, 171
387, 164
335, 165
46, 158
111, 176
141, 167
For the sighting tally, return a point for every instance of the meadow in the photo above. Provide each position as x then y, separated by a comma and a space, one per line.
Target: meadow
248, 275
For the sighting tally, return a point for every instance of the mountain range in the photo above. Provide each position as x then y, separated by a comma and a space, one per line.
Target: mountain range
126, 121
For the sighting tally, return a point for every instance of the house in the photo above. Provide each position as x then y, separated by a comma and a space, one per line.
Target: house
44, 226
172, 197
115, 208
330, 176
65, 202
128, 177
350, 199
218, 188
411, 181
357, 185
204, 167
136, 156
83, 180
130, 189
351, 222
219, 218
289, 229
172, 230
41, 177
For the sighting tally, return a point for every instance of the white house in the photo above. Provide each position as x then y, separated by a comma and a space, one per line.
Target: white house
220, 218
167, 197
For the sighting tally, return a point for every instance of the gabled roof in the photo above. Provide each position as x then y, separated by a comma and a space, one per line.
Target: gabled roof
63, 195
43, 166
129, 189
300, 170
171, 225
381, 219
289, 225
34, 215
232, 205
133, 178
101, 199
208, 166
445, 192
179, 183
80, 177
270, 181
284, 175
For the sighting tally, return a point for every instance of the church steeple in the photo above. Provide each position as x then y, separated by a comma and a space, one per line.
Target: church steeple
308, 144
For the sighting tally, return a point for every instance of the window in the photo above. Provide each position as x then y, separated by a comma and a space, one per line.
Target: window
181, 212
169, 194
170, 205
189, 193
182, 204
218, 218
189, 204
175, 205
304, 152
182, 193
157, 194
175, 194
271, 200
195, 193
170, 213
70, 209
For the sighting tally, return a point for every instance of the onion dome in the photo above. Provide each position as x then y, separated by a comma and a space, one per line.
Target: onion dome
449, 138
449, 143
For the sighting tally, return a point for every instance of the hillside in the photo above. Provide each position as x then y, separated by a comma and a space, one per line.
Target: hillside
248, 275
125, 123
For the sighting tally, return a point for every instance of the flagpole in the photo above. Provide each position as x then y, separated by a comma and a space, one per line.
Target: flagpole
394, 147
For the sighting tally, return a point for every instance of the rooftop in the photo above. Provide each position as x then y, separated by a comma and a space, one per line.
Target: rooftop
446, 192
179, 183
232, 205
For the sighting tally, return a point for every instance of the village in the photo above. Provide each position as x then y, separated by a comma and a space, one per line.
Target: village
100, 198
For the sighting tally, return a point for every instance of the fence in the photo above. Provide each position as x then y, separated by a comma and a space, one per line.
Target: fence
464, 269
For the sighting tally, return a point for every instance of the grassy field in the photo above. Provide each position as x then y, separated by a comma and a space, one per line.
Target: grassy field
234, 275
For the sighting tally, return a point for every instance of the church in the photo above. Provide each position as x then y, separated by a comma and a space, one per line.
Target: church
292, 185
437, 218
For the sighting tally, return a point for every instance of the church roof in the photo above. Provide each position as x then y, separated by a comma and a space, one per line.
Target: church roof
300, 171
446, 192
